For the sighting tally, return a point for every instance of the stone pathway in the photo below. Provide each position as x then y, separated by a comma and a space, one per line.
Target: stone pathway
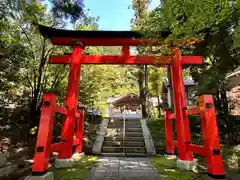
117, 168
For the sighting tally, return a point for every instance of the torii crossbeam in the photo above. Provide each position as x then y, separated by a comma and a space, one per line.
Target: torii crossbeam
75, 117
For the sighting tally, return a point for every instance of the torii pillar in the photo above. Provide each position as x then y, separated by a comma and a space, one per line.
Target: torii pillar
64, 157
185, 158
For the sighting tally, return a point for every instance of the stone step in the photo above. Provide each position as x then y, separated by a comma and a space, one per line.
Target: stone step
113, 143
126, 122
133, 129
136, 139
133, 134
112, 123
123, 155
127, 128
108, 138
126, 143
113, 138
109, 149
112, 126
120, 130
113, 132
129, 150
132, 122
133, 126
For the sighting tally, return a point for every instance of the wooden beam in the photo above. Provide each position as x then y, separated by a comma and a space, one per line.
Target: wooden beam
130, 60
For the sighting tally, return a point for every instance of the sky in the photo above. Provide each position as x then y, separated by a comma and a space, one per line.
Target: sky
114, 14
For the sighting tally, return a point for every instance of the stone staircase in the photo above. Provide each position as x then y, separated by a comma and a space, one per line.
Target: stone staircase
116, 143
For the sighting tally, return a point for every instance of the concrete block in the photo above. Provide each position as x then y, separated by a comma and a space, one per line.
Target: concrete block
63, 163
97, 146
46, 176
147, 138
8, 169
77, 156
169, 156
188, 165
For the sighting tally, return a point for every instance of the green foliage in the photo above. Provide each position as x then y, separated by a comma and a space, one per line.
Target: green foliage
156, 78
156, 128
25, 72
68, 9
216, 24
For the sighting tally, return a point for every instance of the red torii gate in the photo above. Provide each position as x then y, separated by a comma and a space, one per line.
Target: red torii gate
73, 116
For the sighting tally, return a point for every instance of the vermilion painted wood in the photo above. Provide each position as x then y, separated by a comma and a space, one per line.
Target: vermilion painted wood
57, 147
61, 110
76, 142
168, 133
189, 154
178, 105
175, 143
131, 60
196, 149
71, 103
193, 111
44, 139
78, 115
125, 51
172, 116
210, 136
79, 132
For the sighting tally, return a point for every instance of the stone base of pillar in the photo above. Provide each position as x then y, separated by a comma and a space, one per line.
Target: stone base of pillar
63, 163
188, 165
170, 156
77, 156
46, 176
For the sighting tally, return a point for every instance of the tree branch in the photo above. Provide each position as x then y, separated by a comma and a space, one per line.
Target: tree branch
28, 39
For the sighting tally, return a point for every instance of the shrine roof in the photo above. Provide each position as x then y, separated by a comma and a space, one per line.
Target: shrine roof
97, 38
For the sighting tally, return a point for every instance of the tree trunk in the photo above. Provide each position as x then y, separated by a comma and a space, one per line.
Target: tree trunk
141, 90
35, 107
225, 111
159, 109
146, 90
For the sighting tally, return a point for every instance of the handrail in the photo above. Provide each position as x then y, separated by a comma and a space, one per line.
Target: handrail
124, 128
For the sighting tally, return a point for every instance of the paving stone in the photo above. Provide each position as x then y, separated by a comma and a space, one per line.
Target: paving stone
124, 169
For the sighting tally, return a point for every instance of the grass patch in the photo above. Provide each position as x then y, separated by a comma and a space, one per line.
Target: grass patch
78, 172
169, 171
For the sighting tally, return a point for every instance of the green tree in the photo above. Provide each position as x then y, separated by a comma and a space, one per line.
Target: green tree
24, 53
216, 24
140, 7
156, 79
